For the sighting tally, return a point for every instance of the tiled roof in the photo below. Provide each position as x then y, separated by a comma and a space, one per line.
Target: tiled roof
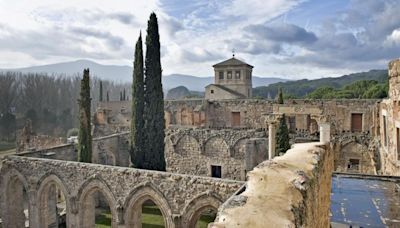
232, 62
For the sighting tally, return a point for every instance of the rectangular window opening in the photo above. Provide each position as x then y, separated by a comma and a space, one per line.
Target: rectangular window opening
356, 122
221, 75
216, 171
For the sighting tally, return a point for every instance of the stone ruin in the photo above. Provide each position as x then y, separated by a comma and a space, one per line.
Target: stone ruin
220, 154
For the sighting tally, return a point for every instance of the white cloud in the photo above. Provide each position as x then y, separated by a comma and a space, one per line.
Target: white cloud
393, 39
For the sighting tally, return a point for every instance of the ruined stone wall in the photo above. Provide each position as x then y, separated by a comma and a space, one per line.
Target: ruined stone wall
194, 151
112, 150
303, 115
179, 197
390, 124
66, 152
355, 153
284, 192
107, 150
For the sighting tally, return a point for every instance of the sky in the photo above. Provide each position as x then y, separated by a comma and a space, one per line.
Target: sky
292, 39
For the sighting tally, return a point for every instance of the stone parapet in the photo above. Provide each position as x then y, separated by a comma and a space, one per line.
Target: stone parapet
289, 191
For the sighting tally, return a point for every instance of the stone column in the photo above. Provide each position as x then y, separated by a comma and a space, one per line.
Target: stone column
271, 140
324, 132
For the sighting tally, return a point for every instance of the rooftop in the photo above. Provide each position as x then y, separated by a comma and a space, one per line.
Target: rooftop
232, 62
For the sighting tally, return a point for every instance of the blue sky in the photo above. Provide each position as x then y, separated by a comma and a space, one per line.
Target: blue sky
284, 38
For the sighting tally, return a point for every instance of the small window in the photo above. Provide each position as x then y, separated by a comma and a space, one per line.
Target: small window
221, 75
212, 91
237, 74
229, 75
216, 171
353, 165
247, 74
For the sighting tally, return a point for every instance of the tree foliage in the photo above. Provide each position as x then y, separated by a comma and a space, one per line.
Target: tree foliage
154, 100
85, 136
368, 89
282, 137
301, 88
137, 121
280, 96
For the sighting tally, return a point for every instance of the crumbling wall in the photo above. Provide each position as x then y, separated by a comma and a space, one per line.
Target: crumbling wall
289, 191
194, 151
390, 124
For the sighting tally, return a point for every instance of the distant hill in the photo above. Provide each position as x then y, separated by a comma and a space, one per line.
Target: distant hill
124, 74
301, 88
182, 92
108, 72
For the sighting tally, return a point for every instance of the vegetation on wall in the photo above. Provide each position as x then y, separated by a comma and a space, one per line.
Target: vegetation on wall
85, 135
154, 100
137, 122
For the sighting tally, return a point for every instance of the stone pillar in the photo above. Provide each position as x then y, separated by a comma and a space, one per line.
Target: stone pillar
394, 79
324, 132
271, 140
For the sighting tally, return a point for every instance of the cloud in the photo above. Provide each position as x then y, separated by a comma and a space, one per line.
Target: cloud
113, 41
283, 33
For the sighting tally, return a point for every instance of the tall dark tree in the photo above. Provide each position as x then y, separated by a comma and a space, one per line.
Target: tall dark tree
101, 91
154, 100
282, 137
120, 96
124, 95
137, 123
280, 96
108, 96
85, 136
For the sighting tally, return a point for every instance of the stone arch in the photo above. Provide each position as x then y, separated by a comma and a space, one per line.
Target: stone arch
239, 149
216, 146
355, 156
45, 188
13, 185
199, 204
187, 145
86, 202
136, 198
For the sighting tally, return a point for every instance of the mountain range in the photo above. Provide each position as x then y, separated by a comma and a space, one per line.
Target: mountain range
123, 74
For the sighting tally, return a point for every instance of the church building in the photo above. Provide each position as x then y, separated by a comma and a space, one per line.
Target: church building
232, 80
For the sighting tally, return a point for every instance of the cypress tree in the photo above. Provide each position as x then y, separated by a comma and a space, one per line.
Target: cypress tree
137, 121
85, 137
280, 96
120, 96
101, 91
124, 96
282, 137
154, 100
108, 96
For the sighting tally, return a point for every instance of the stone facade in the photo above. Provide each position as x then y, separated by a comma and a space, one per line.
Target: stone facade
390, 124
179, 197
195, 151
284, 192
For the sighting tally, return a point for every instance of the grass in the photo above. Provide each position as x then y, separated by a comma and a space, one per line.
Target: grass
151, 218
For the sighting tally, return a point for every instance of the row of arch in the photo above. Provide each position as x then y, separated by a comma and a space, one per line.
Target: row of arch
207, 147
80, 206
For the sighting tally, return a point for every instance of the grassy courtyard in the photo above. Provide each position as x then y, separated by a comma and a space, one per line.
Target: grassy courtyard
151, 218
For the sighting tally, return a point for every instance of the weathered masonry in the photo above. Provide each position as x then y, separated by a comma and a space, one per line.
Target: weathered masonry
181, 198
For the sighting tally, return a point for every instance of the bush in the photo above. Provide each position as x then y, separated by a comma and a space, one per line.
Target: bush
72, 132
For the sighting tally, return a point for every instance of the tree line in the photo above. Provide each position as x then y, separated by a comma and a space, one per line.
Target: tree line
49, 101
